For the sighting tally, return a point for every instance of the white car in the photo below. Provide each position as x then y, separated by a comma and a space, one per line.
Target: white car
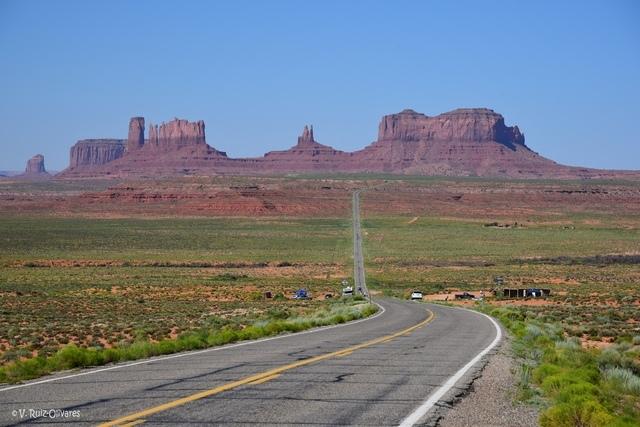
416, 296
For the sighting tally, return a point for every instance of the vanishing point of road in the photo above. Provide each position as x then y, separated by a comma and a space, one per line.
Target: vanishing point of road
358, 258
389, 369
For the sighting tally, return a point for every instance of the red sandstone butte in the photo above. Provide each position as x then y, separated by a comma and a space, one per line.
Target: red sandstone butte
135, 139
176, 134
88, 153
35, 166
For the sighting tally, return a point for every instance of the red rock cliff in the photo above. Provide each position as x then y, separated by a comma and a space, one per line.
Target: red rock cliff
176, 134
35, 165
464, 124
95, 152
136, 134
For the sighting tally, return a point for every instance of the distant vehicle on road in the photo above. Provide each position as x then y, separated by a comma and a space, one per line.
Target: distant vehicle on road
301, 294
347, 291
416, 296
465, 295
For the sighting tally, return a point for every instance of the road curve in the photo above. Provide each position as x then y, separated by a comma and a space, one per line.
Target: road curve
376, 384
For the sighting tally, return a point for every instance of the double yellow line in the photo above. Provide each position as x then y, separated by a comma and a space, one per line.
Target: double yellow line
138, 417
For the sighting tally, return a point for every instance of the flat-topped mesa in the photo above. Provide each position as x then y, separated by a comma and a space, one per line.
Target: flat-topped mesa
135, 139
95, 152
464, 124
307, 136
176, 134
35, 166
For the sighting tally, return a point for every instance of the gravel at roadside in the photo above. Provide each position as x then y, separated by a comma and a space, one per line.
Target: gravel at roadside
491, 398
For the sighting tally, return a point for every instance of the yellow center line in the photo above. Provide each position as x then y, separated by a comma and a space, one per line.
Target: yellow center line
256, 378
264, 380
134, 423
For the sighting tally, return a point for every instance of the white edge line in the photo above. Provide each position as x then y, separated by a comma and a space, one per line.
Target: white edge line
193, 353
422, 410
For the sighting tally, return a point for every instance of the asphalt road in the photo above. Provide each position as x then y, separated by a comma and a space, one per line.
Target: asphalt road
358, 260
379, 384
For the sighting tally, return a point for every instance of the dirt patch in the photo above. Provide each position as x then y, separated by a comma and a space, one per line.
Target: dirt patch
597, 260
598, 344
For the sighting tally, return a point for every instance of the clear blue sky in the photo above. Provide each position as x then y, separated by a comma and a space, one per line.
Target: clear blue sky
568, 73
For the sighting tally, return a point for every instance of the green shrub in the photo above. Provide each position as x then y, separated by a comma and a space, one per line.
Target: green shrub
585, 388
623, 379
579, 388
545, 370
609, 357
26, 369
532, 332
580, 411
70, 356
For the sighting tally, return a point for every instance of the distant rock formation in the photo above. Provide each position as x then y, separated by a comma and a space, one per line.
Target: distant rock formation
176, 134
135, 139
462, 142
88, 153
306, 155
463, 124
35, 166
178, 145
307, 136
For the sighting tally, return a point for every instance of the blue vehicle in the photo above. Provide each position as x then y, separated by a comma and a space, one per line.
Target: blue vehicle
301, 294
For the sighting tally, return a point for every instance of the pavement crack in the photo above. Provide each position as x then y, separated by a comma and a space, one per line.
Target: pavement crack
193, 377
341, 377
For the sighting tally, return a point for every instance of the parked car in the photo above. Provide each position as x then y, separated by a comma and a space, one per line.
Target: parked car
534, 293
465, 295
416, 296
347, 291
301, 294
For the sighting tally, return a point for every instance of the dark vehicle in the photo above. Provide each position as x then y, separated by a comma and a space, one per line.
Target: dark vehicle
534, 293
465, 295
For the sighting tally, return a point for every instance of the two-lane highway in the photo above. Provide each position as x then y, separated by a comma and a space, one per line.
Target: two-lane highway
377, 384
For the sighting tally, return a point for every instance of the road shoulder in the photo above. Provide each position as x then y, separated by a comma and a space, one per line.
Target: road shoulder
488, 396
